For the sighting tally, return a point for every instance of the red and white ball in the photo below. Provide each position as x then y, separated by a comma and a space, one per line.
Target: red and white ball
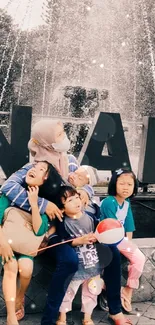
110, 231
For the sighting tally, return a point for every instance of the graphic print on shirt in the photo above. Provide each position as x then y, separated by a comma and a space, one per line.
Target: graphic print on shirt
122, 212
87, 254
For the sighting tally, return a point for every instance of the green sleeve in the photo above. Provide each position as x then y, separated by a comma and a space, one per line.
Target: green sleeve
129, 224
4, 204
44, 226
108, 209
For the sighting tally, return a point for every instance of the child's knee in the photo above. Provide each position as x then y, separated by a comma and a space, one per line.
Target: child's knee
139, 258
11, 268
25, 267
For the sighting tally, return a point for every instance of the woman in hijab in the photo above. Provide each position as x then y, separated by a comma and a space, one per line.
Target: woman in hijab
49, 142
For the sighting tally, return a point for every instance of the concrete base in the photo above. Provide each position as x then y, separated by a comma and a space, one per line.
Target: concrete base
146, 291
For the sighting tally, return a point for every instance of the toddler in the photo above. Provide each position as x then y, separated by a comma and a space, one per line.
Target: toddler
79, 224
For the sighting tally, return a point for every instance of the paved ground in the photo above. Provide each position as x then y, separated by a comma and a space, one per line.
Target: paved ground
143, 314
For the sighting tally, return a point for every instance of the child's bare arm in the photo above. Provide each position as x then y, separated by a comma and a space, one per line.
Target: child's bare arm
84, 240
129, 235
33, 200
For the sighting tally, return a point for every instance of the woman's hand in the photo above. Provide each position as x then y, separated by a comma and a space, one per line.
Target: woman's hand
53, 211
84, 197
33, 195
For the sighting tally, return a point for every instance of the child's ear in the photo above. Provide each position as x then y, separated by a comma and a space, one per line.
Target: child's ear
62, 210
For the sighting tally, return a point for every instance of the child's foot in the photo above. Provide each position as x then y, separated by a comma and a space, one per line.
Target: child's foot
61, 322
12, 321
62, 319
87, 322
119, 319
20, 311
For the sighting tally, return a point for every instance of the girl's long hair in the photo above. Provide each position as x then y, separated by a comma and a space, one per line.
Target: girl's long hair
51, 186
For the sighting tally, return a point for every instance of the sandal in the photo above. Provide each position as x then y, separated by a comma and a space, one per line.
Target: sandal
126, 302
20, 313
125, 321
87, 322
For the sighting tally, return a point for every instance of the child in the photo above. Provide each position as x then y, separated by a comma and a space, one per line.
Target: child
87, 175
40, 178
122, 186
80, 225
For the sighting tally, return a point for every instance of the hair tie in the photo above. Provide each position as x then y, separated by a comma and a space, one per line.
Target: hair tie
119, 171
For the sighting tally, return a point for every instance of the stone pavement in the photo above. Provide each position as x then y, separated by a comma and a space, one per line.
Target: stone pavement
143, 314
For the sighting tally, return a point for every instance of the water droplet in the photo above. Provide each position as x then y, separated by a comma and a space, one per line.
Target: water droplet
10, 241
12, 299
123, 44
138, 314
102, 65
94, 61
88, 8
33, 306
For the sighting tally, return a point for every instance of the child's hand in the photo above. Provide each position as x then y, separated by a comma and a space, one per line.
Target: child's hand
88, 239
33, 195
84, 197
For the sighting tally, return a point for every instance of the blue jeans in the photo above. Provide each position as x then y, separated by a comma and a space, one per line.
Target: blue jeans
66, 266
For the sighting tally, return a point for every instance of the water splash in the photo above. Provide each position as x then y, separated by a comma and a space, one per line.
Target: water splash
8, 38
55, 59
13, 54
8, 4
148, 33
24, 54
47, 57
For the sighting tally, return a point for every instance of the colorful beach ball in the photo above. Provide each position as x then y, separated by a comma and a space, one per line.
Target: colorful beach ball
109, 231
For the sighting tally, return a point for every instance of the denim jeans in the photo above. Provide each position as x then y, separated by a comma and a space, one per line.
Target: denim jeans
109, 257
66, 266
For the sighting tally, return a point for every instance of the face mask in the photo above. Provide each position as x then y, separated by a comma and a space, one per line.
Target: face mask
62, 146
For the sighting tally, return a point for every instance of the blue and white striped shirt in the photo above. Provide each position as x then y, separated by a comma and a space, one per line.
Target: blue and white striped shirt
17, 194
